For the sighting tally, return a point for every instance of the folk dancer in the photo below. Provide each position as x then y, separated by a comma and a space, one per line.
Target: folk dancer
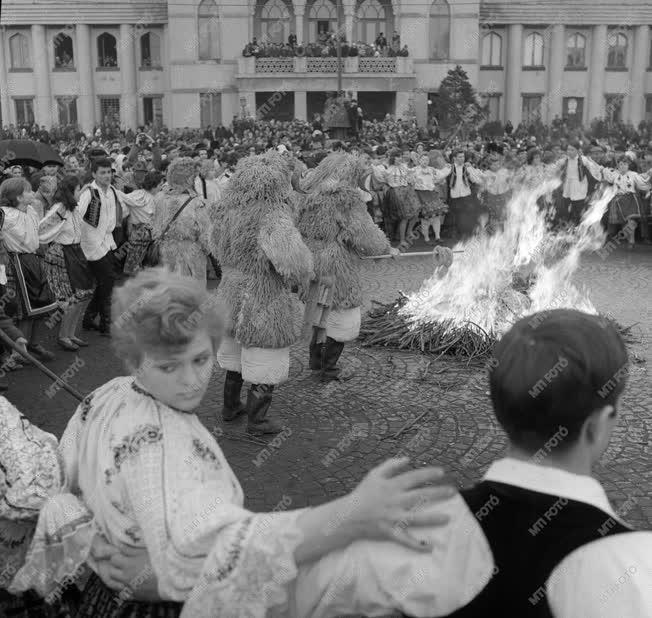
101, 212
31, 299
463, 205
625, 207
427, 181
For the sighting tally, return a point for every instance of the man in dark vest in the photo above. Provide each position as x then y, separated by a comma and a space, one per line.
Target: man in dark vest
537, 536
102, 213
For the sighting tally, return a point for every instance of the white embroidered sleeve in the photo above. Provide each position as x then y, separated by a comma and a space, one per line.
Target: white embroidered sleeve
377, 578
250, 567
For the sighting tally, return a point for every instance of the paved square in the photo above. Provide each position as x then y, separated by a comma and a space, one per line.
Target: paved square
335, 433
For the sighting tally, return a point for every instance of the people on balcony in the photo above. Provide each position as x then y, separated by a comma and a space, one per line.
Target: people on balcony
326, 47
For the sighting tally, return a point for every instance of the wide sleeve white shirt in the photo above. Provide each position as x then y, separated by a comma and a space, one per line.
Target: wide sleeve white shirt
60, 225
20, 230
96, 242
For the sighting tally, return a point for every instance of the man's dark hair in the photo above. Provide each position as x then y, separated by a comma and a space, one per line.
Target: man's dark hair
101, 162
554, 369
151, 180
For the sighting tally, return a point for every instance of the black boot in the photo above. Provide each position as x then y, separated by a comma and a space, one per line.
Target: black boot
259, 399
330, 370
232, 405
316, 352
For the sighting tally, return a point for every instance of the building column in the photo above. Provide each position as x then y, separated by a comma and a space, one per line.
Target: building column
83, 60
596, 77
301, 105
5, 108
348, 23
556, 72
43, 112
298, 21
513, 104
129, 106
637, 75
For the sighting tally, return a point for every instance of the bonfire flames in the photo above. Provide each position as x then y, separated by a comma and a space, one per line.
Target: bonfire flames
498, 279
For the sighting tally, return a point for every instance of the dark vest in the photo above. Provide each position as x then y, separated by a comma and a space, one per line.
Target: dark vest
529, 534
92, 216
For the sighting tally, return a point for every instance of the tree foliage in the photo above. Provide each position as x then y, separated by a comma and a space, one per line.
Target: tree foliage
458, 104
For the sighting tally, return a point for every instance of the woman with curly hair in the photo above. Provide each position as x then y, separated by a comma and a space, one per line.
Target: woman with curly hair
66, 268
184, 245
145, 476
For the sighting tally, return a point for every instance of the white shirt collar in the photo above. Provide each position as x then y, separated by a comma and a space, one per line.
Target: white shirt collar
548, 480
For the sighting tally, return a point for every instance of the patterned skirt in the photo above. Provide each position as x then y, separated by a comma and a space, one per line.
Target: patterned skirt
624, 207
431, 203
140, 236
67, 272
402, 203
98, 601
27, 284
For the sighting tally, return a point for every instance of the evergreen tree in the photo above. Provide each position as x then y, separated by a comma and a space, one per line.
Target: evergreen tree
458, 105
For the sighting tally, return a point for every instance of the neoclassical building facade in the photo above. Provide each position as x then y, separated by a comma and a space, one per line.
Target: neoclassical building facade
179, 62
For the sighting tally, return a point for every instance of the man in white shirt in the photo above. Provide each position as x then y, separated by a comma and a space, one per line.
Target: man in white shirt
575, 184
101, 213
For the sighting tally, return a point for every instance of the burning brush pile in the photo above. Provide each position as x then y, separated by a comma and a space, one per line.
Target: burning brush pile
497, 280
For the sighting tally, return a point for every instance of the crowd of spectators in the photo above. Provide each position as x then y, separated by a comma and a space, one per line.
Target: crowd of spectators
310, 140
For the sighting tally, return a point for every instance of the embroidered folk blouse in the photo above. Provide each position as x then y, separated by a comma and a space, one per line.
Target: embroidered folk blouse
153, 477
60, 225
629, 182
425, 178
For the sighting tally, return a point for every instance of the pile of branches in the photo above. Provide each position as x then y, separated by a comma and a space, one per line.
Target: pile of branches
384, 326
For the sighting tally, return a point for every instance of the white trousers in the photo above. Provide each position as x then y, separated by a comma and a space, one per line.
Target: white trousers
257, 365
343, 324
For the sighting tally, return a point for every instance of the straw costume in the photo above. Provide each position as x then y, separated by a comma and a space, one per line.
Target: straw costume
338, 229
262, 256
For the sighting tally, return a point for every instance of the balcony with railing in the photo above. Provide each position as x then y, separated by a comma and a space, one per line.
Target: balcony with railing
250, 67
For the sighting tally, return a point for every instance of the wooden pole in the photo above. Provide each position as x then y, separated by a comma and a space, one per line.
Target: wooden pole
10, 343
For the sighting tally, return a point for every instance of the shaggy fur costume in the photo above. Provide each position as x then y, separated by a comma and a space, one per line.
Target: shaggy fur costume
185, 247
262, 254
337, 227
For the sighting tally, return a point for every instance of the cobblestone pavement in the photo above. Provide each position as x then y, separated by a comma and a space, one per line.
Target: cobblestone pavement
335, 433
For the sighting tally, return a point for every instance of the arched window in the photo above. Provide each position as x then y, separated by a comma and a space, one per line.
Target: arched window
533, 51
274, 20
492, 49
209, 30
440, 29
617, 55
372, 20
322, 19
107, 51
63, 52
576, 50
19, 51
150, 50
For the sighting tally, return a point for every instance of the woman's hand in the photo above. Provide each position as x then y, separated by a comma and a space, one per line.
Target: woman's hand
125, 569
389, 500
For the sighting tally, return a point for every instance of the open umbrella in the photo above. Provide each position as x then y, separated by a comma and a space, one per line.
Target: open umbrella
28, 152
